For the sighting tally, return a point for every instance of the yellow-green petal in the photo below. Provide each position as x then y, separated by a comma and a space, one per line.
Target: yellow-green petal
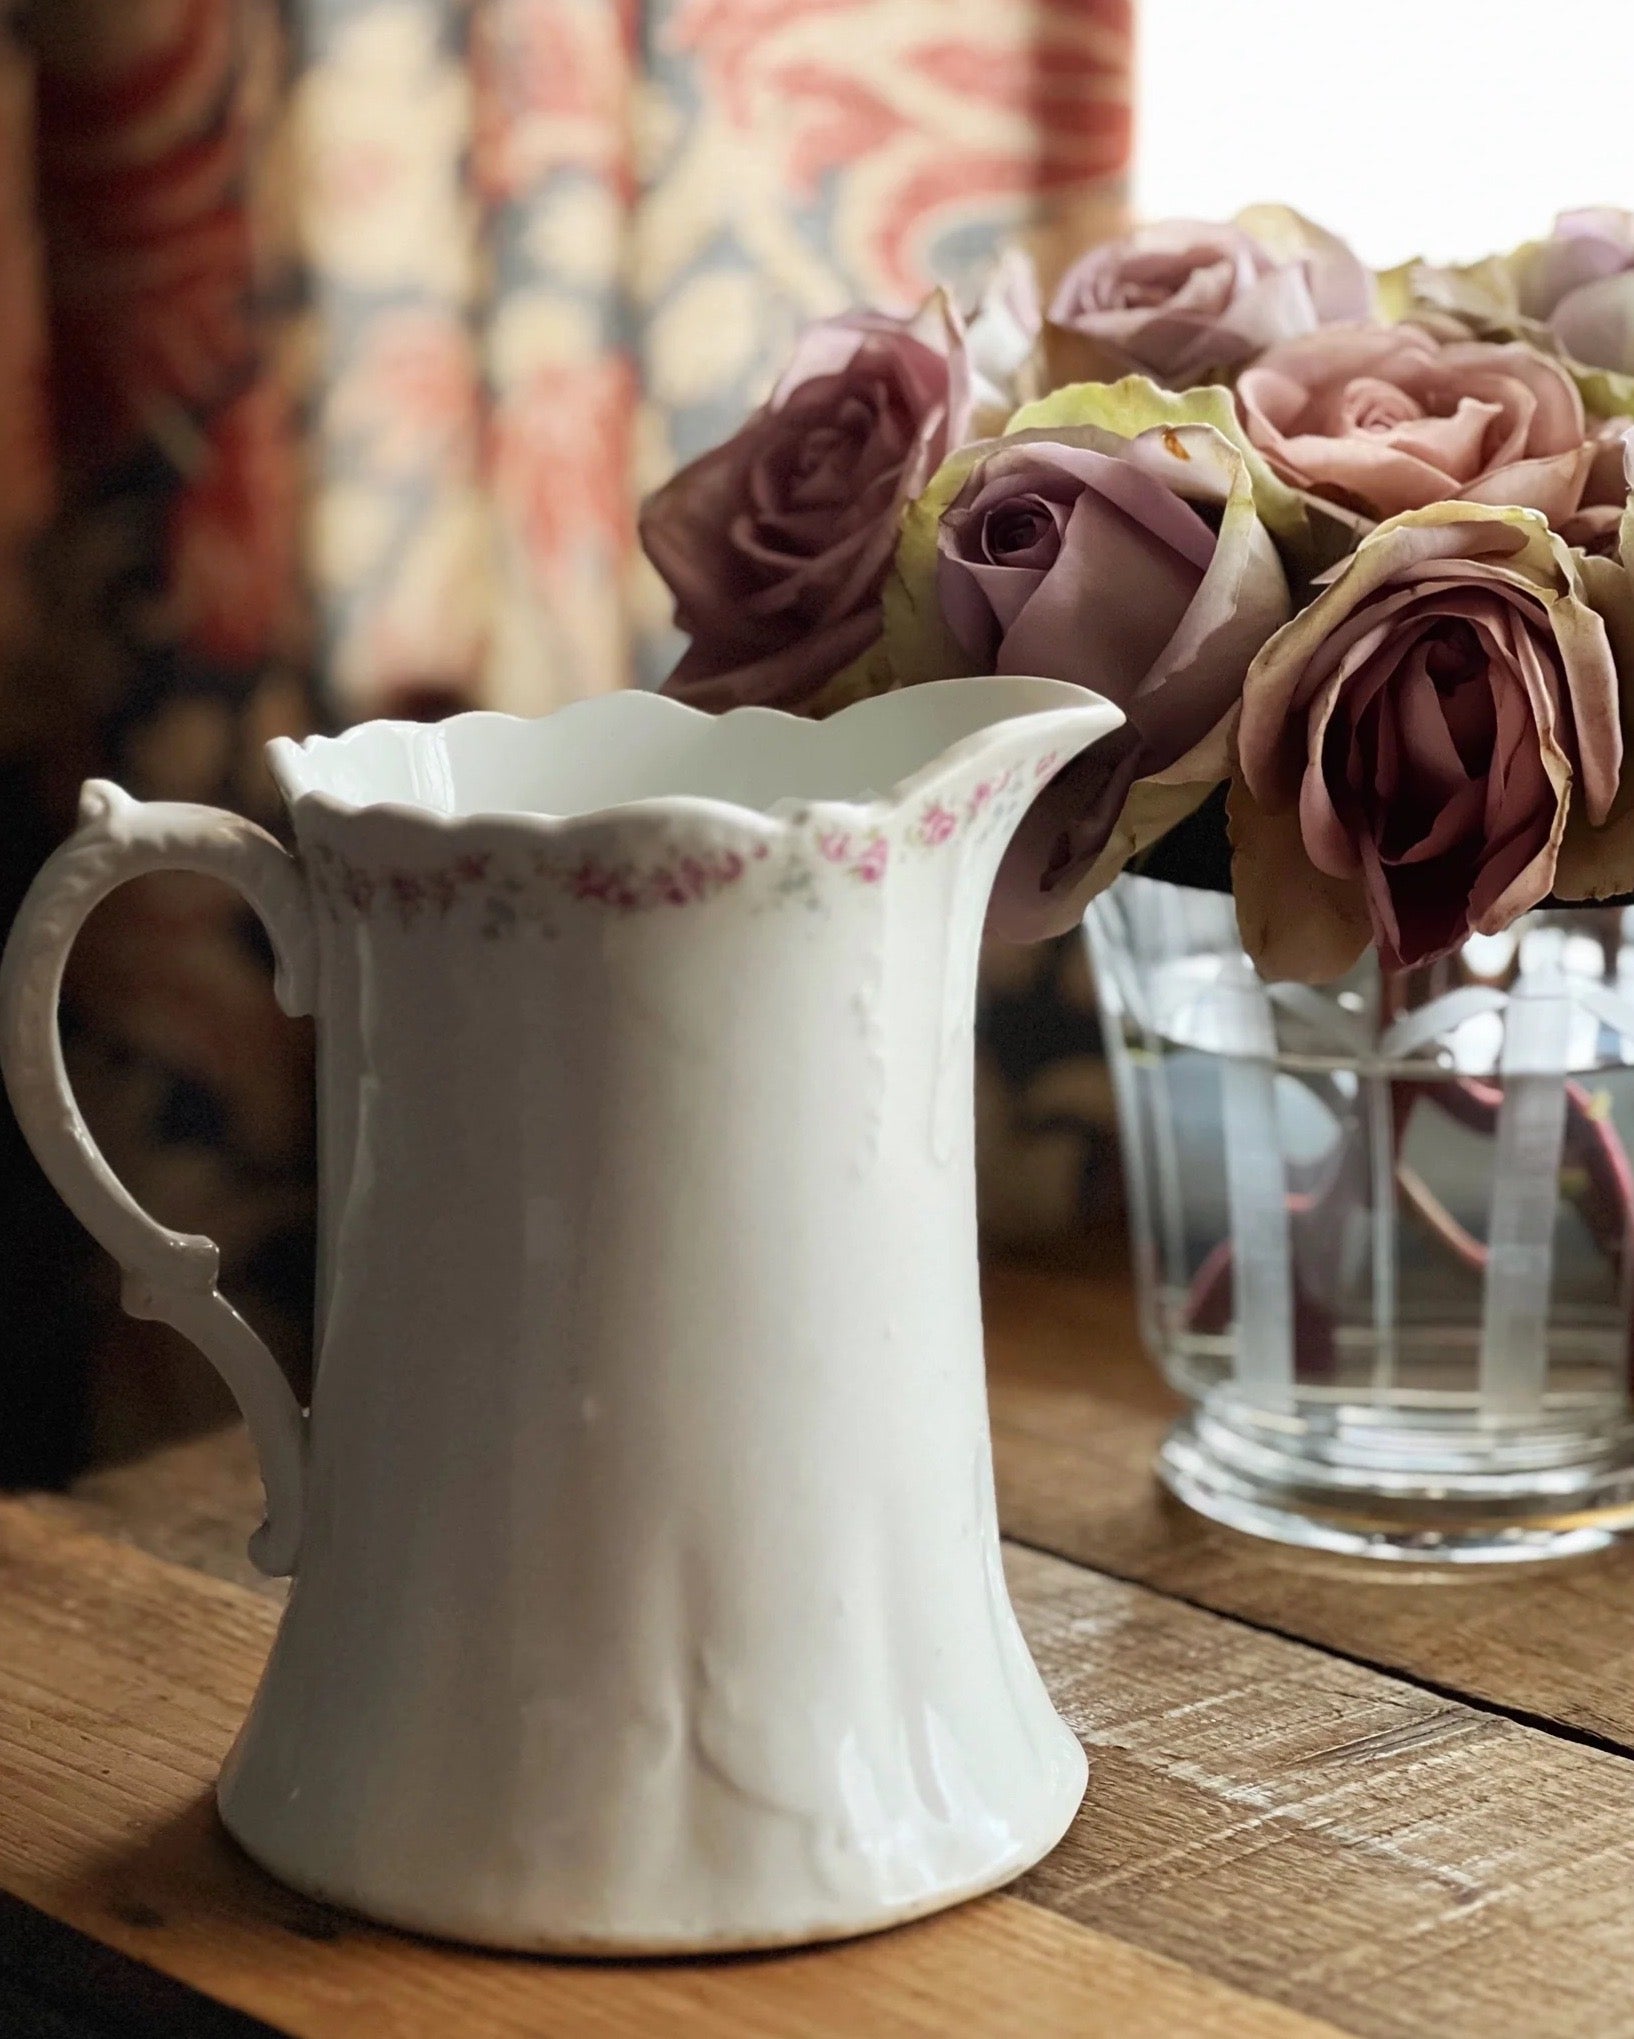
1137, 404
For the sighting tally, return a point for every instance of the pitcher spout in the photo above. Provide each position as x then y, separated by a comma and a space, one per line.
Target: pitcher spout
944, 731
969, 759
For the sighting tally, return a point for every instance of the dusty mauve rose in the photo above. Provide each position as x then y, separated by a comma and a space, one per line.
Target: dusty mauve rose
776, 544
1430, 721
1570, 294
1580, 284
1376, 420
1135, 566
1184, 300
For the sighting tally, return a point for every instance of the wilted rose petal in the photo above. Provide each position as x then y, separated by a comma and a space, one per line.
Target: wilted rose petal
1001, 341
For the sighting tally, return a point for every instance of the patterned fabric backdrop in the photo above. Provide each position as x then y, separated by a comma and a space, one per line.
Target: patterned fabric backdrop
559, 245
151, 628
340, 338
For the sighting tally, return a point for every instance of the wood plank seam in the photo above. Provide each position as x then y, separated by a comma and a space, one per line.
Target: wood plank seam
1307, 1834
1541, 1723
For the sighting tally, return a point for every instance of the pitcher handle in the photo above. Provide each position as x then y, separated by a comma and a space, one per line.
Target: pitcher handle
168, 1275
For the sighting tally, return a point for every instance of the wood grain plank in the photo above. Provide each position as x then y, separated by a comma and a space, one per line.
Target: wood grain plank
121, 1681
1286, 1824
193, 1503
1079, 1410
1399, 1863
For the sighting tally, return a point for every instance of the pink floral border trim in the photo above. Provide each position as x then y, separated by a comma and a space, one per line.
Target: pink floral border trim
865, 856
528, 893
404, 894
681, 881
408, 896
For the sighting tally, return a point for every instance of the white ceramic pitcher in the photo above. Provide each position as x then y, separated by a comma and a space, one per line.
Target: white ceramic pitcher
647, 1593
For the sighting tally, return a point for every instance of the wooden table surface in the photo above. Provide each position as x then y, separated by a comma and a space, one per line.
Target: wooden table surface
1324, 1798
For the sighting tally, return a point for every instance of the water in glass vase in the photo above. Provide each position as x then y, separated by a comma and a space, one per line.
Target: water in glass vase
1384, 1229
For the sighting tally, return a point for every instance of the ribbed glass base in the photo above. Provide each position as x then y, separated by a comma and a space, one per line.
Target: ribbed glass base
1302, 1487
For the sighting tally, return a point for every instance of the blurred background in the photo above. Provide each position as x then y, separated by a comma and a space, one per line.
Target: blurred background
338, 342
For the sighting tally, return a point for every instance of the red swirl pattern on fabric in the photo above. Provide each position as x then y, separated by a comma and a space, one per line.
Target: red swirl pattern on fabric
142, 144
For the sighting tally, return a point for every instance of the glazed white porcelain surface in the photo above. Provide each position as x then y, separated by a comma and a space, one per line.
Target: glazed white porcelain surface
647, 1593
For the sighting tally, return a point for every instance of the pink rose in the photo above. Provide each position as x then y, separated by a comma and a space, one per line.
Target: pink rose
1377, 420
776, 544
1183, 300
1580, 283
1420, 735
1138, 567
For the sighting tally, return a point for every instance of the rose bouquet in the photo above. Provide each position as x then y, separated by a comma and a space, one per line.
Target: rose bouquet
1350, 550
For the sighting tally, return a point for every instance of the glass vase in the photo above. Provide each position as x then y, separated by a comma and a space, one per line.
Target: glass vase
1383, 1229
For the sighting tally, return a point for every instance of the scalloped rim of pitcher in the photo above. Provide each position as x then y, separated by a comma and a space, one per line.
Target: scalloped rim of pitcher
287, 756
